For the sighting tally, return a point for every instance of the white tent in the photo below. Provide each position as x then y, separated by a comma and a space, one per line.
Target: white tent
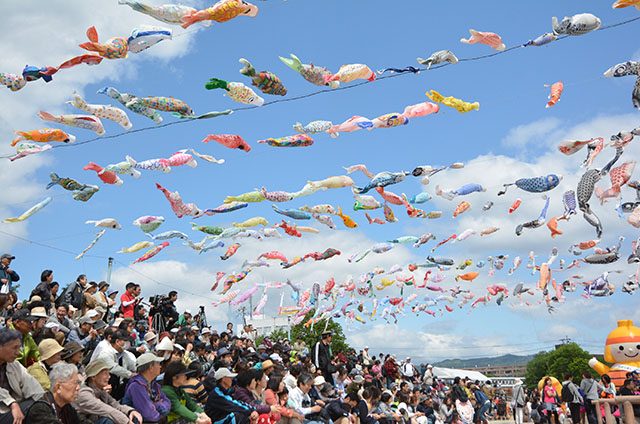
451, 373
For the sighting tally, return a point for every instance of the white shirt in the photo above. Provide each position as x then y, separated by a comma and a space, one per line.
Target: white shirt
407, 369
296, 397
290, 382
109, 353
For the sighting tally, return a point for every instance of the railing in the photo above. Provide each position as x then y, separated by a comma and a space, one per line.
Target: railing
625, 403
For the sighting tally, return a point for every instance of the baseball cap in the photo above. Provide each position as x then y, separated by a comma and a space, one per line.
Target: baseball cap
319, 381
23, 315
97, 365
147, 358
205, 330
223, 351
7, 256
224, 372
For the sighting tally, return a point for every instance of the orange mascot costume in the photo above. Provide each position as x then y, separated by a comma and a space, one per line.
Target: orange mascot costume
622, 349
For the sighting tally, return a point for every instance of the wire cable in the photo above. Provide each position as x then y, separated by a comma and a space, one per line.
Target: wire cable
410, 70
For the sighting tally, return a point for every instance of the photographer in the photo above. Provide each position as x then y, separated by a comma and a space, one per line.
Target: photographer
129, 300
168, 309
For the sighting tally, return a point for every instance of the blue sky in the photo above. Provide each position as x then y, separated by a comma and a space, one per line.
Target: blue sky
512, 136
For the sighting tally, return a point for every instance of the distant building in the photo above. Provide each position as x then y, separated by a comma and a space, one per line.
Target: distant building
501, 370
265, 325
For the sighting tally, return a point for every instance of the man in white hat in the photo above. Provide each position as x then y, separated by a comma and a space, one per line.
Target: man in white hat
50, 354
427, 378
221, 407
144, 392
407, 369
94, 402
366, 358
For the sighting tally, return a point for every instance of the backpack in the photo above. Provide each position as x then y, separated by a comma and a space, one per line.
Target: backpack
565, 394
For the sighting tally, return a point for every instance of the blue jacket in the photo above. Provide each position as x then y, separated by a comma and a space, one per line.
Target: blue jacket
223, 409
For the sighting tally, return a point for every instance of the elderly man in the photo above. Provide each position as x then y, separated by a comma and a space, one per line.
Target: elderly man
222, 408
55, 406
144, 392
7, 275
84, 334
61, 317
94, 400
123, 361
18, 389
299, 399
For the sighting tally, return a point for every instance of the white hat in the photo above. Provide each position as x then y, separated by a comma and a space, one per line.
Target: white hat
186, 311
358, 379
366, 347
174, 330
319, 381
205, 330
165, 345
177, 346
275, 357
39, 312
147, 358
150, 336
195, 328
224, 372
92, 313
52, 325
117, 322
429, 366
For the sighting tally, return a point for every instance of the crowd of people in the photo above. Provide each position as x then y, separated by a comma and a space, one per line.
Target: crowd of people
556, 402
86, 354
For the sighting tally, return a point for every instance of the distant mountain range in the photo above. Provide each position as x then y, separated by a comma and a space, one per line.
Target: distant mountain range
503, 360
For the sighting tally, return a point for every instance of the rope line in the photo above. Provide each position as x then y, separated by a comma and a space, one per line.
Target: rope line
410, 70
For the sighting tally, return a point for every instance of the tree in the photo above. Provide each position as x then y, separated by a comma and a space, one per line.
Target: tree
312, 335
566, 359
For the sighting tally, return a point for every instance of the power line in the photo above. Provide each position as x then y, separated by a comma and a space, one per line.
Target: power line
408, 70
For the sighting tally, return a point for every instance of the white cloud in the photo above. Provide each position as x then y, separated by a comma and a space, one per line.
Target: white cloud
430, 346
534, 132
28, 40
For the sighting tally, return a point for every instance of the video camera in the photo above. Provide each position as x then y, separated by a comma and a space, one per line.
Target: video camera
156, 303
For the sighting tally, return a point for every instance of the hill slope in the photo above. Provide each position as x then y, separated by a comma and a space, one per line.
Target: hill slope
483, 362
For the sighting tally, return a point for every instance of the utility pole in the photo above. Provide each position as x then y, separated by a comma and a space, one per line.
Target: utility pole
109, 268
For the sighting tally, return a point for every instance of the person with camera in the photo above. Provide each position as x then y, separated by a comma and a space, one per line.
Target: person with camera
168, 309
129, 300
